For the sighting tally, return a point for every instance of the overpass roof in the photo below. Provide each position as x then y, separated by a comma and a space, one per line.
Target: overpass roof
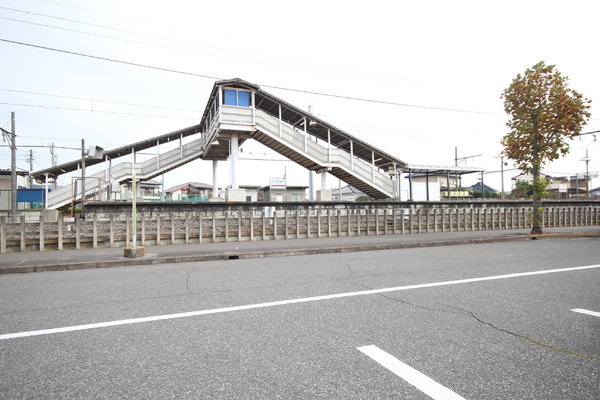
440, 170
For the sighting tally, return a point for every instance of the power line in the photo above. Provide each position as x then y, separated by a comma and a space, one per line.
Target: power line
381, 101
180, 41
219, 48
269, 86
166, 47
94, 111
110, 59
98, 101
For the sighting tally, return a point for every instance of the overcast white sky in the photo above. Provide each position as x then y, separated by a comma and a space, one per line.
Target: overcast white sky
444, 63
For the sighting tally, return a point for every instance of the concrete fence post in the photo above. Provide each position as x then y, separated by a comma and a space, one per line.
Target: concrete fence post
95, 232
385, 219
275, 225
157, 230
349, 221
111, 233
214, 227
77, 232
128, 227
251, 225
264, 225
200, 228
285, 222
172, 228
239, 226
42, 232
187, 228
3, 234
226, 226
143, 227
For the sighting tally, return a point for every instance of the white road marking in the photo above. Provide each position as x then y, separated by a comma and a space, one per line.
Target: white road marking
588, 312
283, 302
422, 382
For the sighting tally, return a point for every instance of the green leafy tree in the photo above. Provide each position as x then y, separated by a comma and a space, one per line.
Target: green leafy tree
363, 198
522, 189
544, 113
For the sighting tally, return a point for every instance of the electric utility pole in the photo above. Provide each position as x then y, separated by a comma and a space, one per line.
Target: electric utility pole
11, 138
30, 168
587, 160
82, 179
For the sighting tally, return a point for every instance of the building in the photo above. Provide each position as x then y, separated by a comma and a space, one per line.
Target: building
562, 187
443, 180
566, 187
6, 186
251, 192
289, 193
190, 191
349, 193
148, 191
433, 182
22, 179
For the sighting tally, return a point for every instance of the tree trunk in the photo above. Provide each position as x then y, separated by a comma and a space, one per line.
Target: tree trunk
538, 211
538, 189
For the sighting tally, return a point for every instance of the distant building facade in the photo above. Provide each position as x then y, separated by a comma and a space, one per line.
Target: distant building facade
289, 193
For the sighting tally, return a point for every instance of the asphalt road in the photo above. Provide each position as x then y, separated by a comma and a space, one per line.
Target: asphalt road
454, 322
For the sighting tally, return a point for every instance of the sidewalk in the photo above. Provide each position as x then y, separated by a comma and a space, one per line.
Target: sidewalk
58, 260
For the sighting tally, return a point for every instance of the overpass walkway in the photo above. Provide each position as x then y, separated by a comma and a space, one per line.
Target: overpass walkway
237, 111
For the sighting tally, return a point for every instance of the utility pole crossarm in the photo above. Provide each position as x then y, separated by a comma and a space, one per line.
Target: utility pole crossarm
10, 137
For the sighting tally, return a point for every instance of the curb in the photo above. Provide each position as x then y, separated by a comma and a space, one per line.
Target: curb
126, 262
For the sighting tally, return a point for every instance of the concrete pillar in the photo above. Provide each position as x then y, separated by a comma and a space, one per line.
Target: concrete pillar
215, 190
234, 161
324, 194
46, 192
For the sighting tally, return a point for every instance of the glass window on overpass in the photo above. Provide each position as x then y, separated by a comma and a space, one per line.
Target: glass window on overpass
238, 98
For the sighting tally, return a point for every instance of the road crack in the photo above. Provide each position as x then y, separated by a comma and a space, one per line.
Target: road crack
187, 280
527, 338
461, 311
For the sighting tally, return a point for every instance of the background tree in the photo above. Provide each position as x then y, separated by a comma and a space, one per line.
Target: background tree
544, 113
522, 189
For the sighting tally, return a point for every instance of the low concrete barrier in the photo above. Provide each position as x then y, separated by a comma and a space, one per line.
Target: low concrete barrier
243, 222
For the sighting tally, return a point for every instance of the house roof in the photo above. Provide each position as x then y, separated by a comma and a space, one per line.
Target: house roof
249, 187
349, 189
8, 172
477, 186
188, 184
287, 187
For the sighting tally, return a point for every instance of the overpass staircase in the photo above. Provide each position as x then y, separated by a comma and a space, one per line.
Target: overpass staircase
321, 157
101, 185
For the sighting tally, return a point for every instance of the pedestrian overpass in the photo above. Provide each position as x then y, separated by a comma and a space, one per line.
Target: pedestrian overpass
238, 111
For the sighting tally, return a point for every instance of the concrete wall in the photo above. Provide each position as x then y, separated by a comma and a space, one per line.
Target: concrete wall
110, 225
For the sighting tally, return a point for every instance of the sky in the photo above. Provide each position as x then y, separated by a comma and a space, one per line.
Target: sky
420, 80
